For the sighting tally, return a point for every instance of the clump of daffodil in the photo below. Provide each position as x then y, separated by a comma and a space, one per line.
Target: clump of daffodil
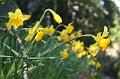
64, 54
16, 19
57, 18
40, 32
43, 32
102, 39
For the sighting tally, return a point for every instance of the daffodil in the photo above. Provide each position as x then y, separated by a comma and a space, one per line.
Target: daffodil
63, 36
32, 32
72, 36
79, 55
46, 30
64, 54
57, 18
79, 33
101, 39
104, 43
84, 52
93, 49
39, 36
69, 28
77, 46
16, 19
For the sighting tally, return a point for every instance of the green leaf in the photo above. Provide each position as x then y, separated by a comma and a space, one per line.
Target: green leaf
16, 53
11, 71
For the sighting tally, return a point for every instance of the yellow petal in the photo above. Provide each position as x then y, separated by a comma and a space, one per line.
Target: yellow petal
28, 37
69, 28
8, 25
26, 17
11, 14
18, 12
104, 43
39, 36
105, 32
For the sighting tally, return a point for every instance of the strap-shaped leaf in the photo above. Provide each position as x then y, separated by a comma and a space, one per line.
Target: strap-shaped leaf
11, 71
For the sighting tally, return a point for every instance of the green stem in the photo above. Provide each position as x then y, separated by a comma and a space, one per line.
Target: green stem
63, 43
27, 49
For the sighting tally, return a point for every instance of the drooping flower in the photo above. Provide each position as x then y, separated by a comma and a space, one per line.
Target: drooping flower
16, 19
57, 18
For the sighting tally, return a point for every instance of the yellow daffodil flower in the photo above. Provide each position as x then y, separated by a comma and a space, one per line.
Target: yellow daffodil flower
64, 54
79, 33
93, 50
32, 32
79, 55
84, 52
63, 36
101, 39
46, 30
104, 43
72, 36
69, 28
16, 19
39, 36
77, 46
57, 18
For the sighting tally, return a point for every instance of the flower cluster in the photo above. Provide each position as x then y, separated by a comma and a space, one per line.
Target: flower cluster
68, 34
91, 52
77, 47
